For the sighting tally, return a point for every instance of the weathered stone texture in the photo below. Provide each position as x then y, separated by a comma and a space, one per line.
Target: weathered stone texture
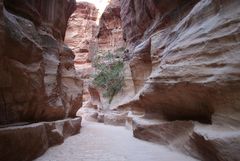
110, 33
27, 142
184, 59
38, 80
81, 31
190, 49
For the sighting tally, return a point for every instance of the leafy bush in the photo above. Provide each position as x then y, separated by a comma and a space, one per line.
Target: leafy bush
109, 73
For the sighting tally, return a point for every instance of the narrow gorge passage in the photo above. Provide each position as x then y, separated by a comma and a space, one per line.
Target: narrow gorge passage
99, 142
96, 141
119, 80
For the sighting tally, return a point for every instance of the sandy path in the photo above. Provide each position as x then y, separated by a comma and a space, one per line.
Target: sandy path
98, 142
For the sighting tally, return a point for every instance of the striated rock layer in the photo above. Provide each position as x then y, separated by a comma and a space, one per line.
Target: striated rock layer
38, 80
81, 38
184, 60
192, 58
110, 39
109, 36
81, 31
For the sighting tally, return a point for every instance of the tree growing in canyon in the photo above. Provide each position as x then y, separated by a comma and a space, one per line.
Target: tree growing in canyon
109, 73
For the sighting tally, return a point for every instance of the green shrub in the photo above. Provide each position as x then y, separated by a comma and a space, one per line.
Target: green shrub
109, 73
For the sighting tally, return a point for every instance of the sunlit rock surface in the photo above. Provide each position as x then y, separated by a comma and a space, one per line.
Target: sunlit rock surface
110, 40
81, 31
38, 79
110, 31
81, 38
107, 38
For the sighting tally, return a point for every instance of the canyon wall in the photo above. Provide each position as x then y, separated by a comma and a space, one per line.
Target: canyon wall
38, 80
110, 40
81, 31
109, 36
81, 38
184, 61
190, 49
92, 33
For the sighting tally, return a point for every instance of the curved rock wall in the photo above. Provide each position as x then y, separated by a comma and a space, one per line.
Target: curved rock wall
192, 50
38, 80
184, 59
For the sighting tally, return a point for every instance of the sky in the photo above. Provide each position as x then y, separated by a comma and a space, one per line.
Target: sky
100, 4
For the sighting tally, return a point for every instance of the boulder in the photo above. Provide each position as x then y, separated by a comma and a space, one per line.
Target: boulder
27, 142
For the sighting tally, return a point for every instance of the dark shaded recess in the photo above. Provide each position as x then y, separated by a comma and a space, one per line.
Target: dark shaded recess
23, 9
205, 118
3, 109
170, 14
37, 11
201, 113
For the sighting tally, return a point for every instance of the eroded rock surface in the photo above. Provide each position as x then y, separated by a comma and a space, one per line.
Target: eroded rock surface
25, 143
81, 31
81, 38
194, 61
184, 60
110, 41
38, 79
110, 34
108, 38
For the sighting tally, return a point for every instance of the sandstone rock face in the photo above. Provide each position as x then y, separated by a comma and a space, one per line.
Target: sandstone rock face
184, 59
204, 142
81, 38
38, 79
88, 38
110, 40
81, 31
25, 143
109, 36
194, 62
